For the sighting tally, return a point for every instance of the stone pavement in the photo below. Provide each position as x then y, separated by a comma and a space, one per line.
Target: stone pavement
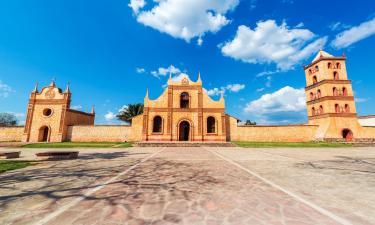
194, 186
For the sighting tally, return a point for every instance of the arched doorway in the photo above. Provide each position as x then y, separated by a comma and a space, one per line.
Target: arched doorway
347, 134
184, 131
44, 134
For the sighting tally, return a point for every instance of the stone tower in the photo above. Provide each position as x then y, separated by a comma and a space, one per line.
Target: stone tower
330, 100
49, 115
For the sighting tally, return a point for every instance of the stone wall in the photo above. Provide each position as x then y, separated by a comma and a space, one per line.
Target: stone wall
290, 133
99, 133
11, 133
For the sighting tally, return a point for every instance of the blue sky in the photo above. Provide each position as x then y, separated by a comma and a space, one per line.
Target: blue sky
253, 51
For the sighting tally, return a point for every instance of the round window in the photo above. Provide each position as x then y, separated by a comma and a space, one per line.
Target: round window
47, 112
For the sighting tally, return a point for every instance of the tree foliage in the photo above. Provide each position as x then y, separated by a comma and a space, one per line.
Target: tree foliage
132, 110
249, 123
7, 119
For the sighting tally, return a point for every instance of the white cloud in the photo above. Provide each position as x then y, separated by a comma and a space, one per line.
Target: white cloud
5, 90
136, 5
140, 70
186, 19
76, 107
110, 116
164, 71
230, 87
270, 43
354, 34
287, 99
337, 26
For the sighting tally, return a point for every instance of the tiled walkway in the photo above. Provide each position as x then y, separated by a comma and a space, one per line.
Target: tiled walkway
169, 186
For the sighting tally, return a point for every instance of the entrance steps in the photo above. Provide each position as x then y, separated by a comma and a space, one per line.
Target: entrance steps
182, 144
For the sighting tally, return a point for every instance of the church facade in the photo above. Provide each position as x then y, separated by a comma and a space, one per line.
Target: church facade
185, 112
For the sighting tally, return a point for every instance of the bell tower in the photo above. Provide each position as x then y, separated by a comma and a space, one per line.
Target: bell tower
330, 99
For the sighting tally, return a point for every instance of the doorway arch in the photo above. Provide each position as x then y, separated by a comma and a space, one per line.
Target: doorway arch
184, 129
44, 134
347, 134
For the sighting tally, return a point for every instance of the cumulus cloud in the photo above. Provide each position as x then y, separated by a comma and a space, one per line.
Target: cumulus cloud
185, 19
287, 99
285, 106
136, 5
271, 43
110, 116
230, 87
5, 90
164, 71
354, 34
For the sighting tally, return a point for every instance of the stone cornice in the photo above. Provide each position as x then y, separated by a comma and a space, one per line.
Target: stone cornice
324, 58
339, 98
327, 82
325, 115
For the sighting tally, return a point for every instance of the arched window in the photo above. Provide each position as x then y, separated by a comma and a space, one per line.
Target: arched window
316, 68
319, 94
315, 80
337, 108
344, 91
310, 71
157, 124
335, 92
338, 66
321, 110
184, 100
336, 75
311, 96
347, 108
313, 111
210, 125
329, 65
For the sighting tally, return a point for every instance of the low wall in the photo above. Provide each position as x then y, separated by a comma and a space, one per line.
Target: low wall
100, 133
291, 133
11, 133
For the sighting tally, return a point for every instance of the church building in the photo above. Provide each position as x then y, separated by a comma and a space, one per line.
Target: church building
185, 112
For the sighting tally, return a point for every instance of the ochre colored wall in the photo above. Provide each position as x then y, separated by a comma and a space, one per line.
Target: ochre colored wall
11, 133
290, 133
113, 133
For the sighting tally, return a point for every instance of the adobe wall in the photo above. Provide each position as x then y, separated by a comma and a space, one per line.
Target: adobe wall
367, 133
290, 133
104, 133
11, 133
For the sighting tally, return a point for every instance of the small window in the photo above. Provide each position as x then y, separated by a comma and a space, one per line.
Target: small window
344, 91
329, 65
47, 112
321, 110
211, 125
184, 100
310, 71
337, 108
336, 75
319, 94
311, 96
316, 68
335, 92
313, 111
157, 124
347, 108
315, 80
338, 66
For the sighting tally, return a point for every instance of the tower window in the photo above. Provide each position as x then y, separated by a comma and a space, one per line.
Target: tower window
184, 100
344, 91
313, 111
310, 71
337, 108
336, 75
347, 108
335, 92
321, 110
210, 125
338, 66
316, 68
329, 65
319, 95
311, 96
315, 80
157, 124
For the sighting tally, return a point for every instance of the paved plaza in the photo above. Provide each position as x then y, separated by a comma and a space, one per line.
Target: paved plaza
202, 185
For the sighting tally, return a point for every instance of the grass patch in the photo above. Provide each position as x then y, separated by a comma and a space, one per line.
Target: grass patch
292, 145
79, 145
7, 165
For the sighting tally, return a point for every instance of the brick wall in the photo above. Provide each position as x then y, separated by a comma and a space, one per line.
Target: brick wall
98, 133
11, 133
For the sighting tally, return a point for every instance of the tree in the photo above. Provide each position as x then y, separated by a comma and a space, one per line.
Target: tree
249, 123
7, 119
132, 110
